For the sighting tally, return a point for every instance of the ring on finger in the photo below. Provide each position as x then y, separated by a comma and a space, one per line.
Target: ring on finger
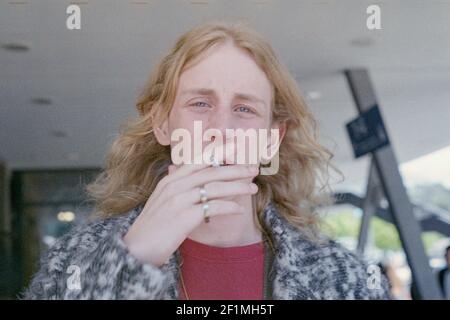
205, 208
203, 196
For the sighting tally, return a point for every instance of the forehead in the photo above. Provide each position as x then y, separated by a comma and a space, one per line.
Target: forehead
226, 69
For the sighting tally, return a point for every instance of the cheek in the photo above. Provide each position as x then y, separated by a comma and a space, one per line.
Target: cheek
254, 123
185, 118
180, 119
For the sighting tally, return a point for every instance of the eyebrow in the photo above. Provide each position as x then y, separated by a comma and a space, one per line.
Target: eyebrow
211, 92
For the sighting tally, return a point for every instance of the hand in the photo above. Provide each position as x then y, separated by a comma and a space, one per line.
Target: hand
174, 210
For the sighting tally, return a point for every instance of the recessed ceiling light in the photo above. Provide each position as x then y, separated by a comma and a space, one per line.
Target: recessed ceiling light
362, 42
65, 216
58, 133
313, 95
15, 47
41, 101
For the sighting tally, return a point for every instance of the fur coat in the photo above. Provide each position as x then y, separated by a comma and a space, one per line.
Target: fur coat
92, 262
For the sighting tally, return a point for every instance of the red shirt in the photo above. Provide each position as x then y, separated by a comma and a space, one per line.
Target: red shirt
215, 273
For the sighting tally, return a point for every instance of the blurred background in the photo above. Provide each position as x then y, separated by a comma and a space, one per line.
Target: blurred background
65, 92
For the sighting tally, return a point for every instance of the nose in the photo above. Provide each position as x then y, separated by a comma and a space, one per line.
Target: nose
221, 121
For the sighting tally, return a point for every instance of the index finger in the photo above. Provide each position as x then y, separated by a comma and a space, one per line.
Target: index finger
198, 164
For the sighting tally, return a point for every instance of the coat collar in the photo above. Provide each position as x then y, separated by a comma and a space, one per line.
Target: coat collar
296, 259
293, 264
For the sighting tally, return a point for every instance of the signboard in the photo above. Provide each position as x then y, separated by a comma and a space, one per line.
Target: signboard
367, 132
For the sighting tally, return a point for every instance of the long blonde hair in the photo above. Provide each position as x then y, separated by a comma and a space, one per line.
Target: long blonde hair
136, 162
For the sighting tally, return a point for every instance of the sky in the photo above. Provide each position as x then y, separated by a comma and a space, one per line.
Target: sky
431, 168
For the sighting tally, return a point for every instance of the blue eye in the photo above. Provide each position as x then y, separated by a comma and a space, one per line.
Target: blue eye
244, 109
201, 102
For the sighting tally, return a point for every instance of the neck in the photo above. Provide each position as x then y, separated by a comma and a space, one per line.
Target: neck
230, 230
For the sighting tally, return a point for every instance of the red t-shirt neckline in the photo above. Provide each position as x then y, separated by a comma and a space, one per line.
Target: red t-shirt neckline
226, 273
221, 254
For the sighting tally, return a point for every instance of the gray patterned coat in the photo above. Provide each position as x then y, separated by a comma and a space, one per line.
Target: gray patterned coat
92, 262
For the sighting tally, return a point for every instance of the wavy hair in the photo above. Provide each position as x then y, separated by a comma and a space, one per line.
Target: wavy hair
136, 162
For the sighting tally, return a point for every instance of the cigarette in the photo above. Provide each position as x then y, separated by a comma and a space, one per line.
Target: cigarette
215, 163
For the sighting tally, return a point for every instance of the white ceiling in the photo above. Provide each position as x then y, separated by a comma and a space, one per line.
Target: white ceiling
94, 75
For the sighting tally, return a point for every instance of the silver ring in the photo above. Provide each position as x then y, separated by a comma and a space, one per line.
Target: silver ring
205, 208
203, 196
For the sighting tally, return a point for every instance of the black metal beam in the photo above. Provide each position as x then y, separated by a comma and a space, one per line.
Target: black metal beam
369, 207
432, 222
391, 181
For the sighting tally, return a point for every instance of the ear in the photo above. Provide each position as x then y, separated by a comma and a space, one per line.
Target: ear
162, 133
282, 127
